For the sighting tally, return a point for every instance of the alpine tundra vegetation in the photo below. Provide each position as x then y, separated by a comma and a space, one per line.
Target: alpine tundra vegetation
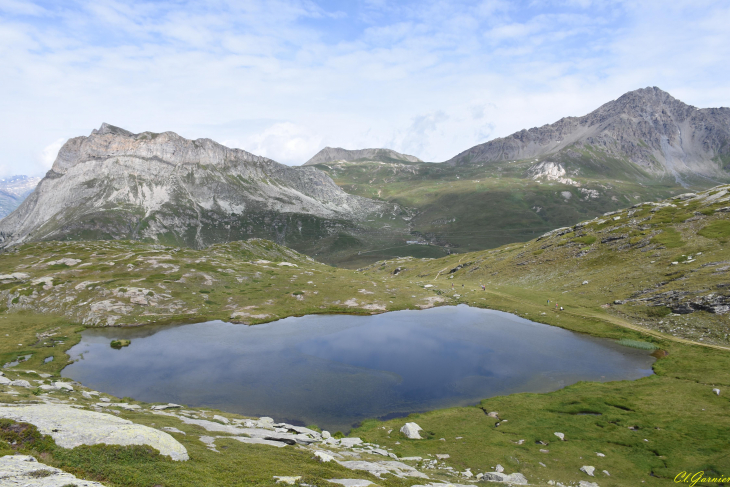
653, 275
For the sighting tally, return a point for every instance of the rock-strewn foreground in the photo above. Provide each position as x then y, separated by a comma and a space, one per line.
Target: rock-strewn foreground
653, 276
162, 187
74, 417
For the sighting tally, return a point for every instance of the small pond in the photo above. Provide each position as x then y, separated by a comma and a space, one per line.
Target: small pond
336, 370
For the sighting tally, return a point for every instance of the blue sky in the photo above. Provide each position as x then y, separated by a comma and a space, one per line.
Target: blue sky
284, 78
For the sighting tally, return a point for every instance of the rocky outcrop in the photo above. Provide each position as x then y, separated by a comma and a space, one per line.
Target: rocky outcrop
71, 427
162, 187
337, 154
26, 471
647, 127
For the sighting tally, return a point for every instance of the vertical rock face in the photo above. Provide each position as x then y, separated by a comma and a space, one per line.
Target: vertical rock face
647, 127
162, 187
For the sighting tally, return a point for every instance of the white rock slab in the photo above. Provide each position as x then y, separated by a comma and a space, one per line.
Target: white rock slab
379, 468
282, 479
513, 478
71, 427
256, 441
17, 469
587, 469
351, 482
411, 431
264, 434
323, 457
160, 407
170, 429
444, 485
63, 385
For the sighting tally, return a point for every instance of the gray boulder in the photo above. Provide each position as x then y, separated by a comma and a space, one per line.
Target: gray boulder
513, 478
411, 431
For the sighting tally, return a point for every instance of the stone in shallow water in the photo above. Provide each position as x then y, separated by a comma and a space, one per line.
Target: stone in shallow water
24, 470
71, 427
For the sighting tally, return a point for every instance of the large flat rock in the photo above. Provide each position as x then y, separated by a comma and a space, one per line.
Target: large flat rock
25, 471
71, 427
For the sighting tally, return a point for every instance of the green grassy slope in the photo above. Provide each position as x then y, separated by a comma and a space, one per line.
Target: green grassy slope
649, 430
481, 206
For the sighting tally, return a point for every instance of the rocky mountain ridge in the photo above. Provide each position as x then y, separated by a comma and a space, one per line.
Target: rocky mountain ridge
337, 154
163, 187
648, 127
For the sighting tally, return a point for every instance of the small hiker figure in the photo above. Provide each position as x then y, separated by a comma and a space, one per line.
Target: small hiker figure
556, 305
548, 301
452, 286
484, 287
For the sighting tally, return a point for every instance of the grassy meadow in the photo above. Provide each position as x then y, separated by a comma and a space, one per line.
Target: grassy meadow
632, 276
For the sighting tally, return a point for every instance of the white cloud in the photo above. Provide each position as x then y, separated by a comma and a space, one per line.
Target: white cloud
431, 78
47, 156
284, 142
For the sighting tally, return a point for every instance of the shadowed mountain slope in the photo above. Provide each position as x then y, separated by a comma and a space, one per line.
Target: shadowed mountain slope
649, 128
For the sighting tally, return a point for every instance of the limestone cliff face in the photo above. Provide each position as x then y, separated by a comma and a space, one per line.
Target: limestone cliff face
648, 127
333, 154
163, 187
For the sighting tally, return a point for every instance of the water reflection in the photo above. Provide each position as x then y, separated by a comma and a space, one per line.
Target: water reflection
336, 370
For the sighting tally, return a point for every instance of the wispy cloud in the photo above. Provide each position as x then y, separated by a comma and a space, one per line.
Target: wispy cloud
285, 77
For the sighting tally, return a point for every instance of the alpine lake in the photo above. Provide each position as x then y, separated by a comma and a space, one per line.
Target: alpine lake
334, 371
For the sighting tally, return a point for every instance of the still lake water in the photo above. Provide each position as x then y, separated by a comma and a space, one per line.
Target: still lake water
336, 370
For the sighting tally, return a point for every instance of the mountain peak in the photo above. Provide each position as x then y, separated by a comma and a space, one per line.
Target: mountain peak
111, 129
648, 127
332, 154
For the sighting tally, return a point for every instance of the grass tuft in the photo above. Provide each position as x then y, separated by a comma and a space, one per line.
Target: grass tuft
637, 344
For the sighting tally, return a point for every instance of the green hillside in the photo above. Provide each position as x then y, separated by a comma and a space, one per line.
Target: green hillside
654, 276
482, 206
